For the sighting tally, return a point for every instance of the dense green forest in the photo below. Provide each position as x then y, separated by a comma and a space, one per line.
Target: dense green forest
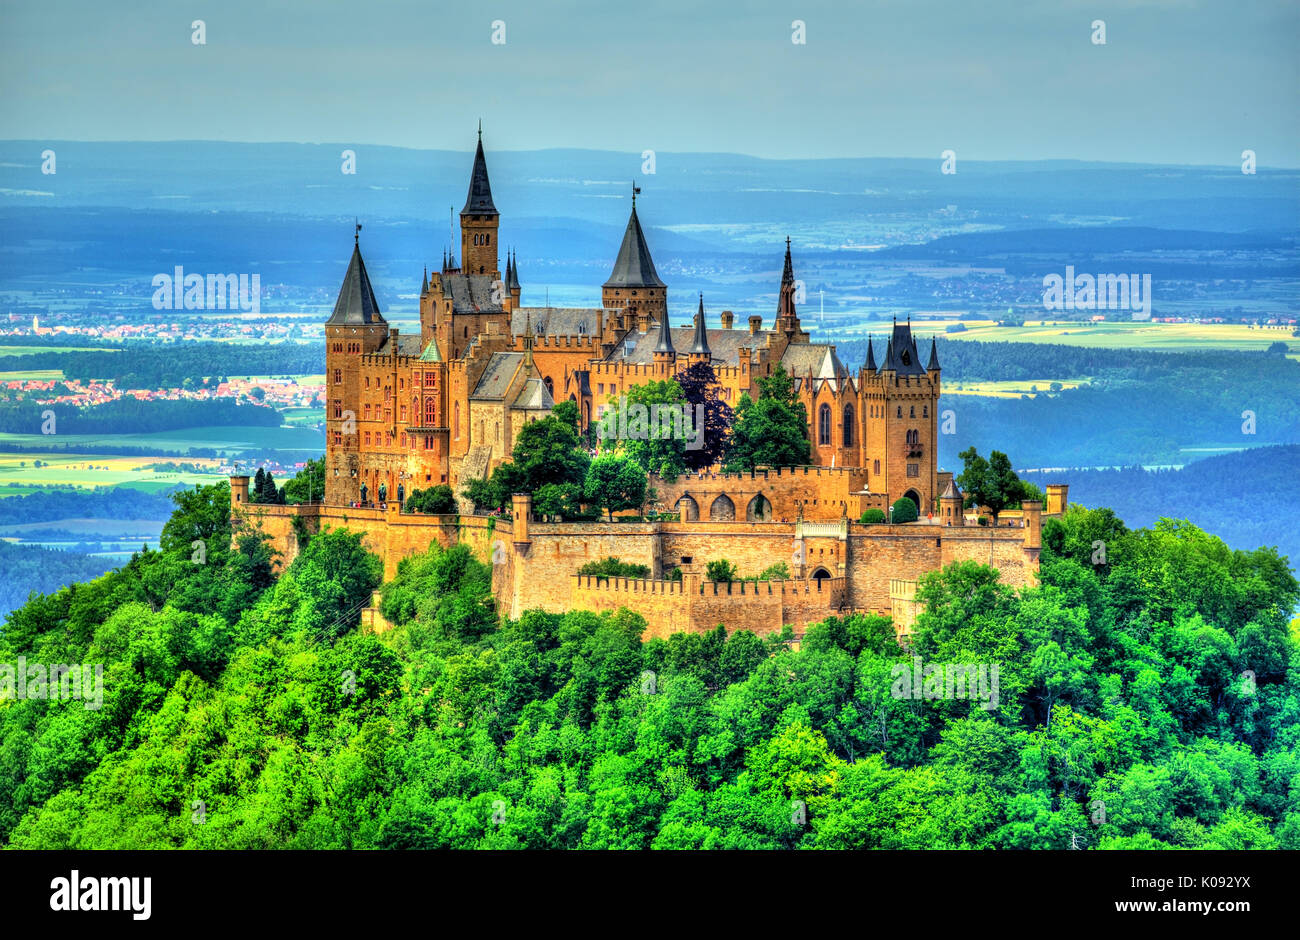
100, 502
1149, 700
133, 416
29, 568
139, 365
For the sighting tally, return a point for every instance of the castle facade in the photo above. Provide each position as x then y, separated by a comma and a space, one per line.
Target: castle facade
444, 406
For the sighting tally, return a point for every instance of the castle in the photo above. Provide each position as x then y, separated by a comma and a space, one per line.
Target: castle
444, 407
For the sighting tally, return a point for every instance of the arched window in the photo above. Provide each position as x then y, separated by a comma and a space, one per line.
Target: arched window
723, 509
456, 415
824, 424
430, 416
900, 411
550, 387
925, 411
848, 425
911, 412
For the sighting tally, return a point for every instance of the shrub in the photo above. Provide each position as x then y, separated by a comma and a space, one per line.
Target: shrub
905, 510
436, 499
983, 520
872, 517
675, 574
614, 568
720, 570
777, 572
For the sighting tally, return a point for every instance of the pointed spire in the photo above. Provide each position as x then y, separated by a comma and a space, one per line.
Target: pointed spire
871, 356
356, 304
665, 344
785, 310
888, 364
479, 200
701, 345
514, 272
444, 260
934, 356
424, 282
634, 267
508, 272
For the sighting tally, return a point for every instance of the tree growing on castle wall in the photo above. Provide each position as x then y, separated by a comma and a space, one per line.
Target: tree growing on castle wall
307, 485
662, 452
436, 499
721, 570
615, 483
769, 432
699, 384
991, 482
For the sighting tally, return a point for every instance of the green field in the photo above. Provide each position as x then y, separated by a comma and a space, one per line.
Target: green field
234, 440
1108, 334
29, 350
87, 471
33, 375
1009, 388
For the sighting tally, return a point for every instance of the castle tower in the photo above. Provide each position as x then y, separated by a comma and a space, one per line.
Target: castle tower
950, 506
634, 285
901, 399
479, 221
699, 351
354, 329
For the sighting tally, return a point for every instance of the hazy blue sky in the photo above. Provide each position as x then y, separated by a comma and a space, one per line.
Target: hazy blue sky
1178, 81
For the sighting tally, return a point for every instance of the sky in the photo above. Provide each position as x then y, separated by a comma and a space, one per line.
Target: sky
1177, 81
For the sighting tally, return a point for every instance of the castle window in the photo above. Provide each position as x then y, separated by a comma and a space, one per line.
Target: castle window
403, 440
456, 414
913, 470
824, 424
487, 239
900, 411
848, 425
925, 411
911, 412
876, 469
403, 413
429, 413
338, 376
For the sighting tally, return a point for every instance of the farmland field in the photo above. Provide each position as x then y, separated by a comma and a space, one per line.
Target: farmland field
33, 375
1110, 334
1011, 388
88, 471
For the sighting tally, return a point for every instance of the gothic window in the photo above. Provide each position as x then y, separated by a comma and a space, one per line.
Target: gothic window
429, 414
824, 424
925, 411
550, 386
913, 470
900, 411
876, 469
456, 413
338, 376
848, 425
487, 239
912, 412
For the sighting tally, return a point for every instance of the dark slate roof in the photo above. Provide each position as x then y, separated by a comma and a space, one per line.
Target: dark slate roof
665, 343
819, 358
724, 345
534, 396
950, 491
356, 304
634, 267
512, 283
479, 200
871, 356
470, 292
901, 354
556, 321
700, 341
495, 380
406, 345
933, 365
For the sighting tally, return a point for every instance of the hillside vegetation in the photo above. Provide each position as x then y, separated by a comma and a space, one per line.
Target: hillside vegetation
1149, 700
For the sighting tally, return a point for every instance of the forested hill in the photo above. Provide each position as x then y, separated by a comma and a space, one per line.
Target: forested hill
1146, 701
1248, 498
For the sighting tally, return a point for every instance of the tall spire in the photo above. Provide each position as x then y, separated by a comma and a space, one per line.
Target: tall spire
479, 200
665, 344
508, 272
514, 272
888, 364
356, 304
634, 267
934, 356
785, 312
424, 282
701, 344
871, 356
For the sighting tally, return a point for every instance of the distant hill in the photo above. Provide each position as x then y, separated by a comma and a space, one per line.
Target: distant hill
1248, 499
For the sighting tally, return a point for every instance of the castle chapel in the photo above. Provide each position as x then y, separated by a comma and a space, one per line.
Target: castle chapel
444, 405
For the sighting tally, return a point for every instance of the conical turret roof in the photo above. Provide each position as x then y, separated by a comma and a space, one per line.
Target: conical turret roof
634, 267
356, 304
479, 200
701, 344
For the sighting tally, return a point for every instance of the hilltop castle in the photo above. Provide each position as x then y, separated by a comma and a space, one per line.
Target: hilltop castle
444, 407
